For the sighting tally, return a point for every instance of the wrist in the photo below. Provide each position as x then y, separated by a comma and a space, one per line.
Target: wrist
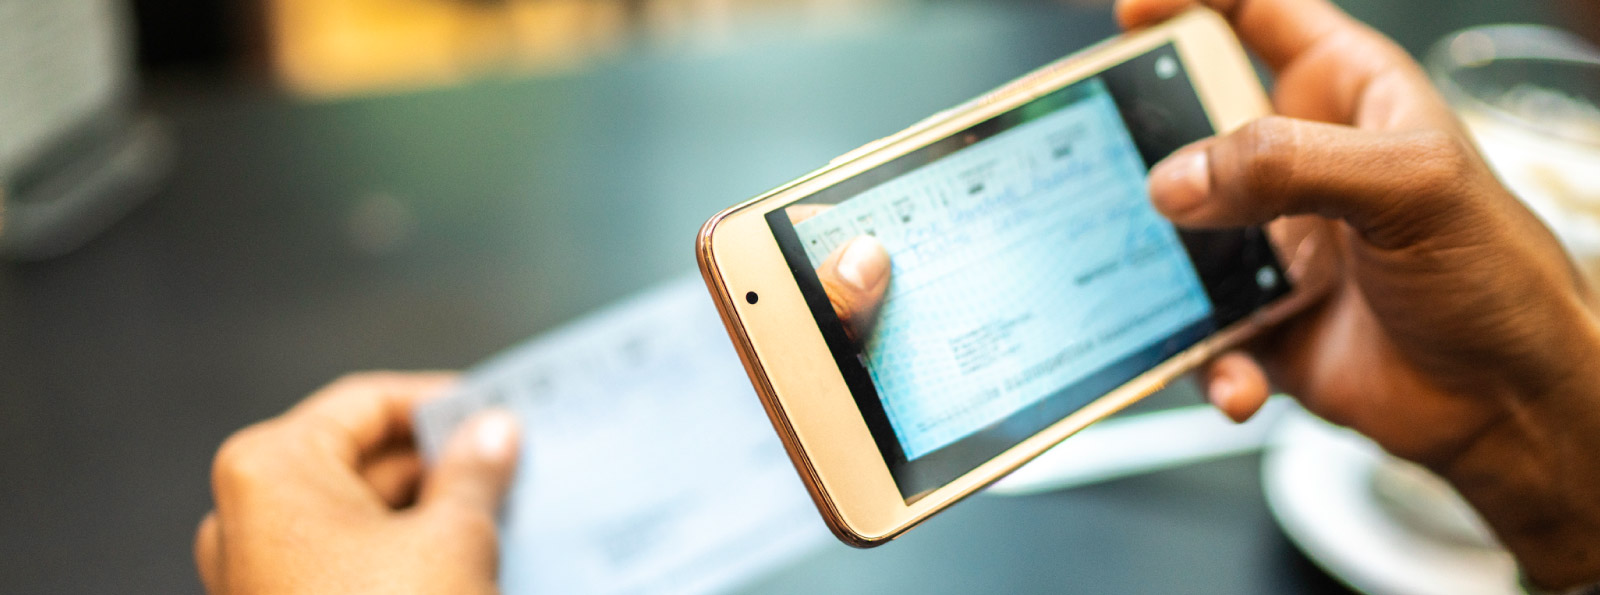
1534, 475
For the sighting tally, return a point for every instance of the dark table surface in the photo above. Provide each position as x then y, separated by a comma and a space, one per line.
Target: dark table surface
294, 242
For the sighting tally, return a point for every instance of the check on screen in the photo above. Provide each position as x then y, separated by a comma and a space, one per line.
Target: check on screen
1021, 264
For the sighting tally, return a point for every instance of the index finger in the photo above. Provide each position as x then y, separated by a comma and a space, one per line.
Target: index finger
362, 412
1278, 30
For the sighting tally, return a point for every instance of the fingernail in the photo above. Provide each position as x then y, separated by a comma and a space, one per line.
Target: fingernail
1181, 182
494, 434
864, 263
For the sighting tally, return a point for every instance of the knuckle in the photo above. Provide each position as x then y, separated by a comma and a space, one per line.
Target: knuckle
470, 523
1439, 199
355, 380
375, 383
1265, 155
356, 385
244, 459
1269, 154
1442, 160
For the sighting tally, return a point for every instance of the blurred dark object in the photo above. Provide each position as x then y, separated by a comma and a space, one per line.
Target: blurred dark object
72, 157
1588, 17
206, 35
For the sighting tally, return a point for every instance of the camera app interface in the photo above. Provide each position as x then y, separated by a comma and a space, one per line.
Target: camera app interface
1030, 274
1021, 265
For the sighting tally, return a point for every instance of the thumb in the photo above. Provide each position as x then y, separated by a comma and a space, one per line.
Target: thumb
855, 277
1394, 188
475, 469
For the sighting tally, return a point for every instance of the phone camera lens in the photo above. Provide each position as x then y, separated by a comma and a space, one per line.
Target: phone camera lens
752, 297
1266, 278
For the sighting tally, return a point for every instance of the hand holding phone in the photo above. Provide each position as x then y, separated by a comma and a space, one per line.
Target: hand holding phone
1458, 334
1033, 287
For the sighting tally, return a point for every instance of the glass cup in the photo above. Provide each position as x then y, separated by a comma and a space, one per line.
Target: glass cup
1530, 95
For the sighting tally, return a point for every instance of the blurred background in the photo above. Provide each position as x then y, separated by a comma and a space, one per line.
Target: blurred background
345, 47
211, 207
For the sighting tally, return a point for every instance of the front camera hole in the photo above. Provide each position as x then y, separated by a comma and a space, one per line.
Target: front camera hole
752, 297
1166, 67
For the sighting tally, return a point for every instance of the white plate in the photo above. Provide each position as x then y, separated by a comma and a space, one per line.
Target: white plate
1318, 483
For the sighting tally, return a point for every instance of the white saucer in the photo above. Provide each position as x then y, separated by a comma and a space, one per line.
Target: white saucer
1318, 480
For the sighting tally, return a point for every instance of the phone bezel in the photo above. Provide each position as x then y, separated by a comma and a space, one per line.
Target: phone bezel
795, 373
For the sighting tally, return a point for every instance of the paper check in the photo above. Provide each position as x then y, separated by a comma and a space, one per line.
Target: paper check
648, 465
1021, 264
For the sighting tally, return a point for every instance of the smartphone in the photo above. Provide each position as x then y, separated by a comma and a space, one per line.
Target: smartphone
1034, 289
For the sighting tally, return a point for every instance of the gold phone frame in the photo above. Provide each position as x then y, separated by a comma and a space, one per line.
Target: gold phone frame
795, 373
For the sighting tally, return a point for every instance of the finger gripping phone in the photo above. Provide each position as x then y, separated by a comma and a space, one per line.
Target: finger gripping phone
1033, 288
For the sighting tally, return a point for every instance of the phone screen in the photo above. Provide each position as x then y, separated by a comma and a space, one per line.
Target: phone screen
1030, 273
